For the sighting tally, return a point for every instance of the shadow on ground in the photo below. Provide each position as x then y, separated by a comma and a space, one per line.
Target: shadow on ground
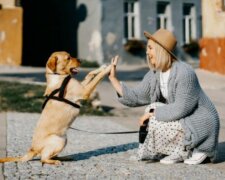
99, 152
123, 148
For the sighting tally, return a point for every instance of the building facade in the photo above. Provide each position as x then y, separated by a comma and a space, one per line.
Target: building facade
116, 27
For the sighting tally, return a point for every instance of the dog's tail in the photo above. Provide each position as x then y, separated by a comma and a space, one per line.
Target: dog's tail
10, 159
24, 158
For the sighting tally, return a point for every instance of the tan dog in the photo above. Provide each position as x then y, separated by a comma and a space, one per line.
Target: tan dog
49, 138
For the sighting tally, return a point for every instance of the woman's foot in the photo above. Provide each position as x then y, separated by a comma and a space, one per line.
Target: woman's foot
171, 159
196, 158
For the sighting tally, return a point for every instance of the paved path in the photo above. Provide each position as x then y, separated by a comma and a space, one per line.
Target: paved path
3, 130
104, 156
93, 156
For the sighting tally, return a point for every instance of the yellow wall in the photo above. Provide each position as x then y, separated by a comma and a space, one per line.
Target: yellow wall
11, 36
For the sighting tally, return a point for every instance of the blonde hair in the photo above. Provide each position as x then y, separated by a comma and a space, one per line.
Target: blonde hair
164, 59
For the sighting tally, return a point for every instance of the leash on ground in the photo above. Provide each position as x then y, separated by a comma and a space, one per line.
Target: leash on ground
91, 132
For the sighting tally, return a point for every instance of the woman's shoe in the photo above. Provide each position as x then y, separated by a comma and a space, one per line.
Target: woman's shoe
171, 159
196, 158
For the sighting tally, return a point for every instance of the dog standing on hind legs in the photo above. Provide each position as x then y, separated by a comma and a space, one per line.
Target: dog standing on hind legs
49, 137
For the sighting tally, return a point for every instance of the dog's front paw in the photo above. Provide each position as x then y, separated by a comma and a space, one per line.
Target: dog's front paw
108, 69
103, 66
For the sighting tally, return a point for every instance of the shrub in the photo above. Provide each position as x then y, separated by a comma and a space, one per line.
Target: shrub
134, 46
86, 63
192, 48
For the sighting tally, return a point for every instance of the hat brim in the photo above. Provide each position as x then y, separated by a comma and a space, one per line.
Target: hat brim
149, 36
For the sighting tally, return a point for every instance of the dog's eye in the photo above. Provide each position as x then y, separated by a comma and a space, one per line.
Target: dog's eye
68, 58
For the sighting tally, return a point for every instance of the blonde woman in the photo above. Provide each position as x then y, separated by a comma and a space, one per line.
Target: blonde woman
183, 123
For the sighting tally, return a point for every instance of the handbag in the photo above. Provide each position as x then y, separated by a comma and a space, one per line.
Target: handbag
143, 131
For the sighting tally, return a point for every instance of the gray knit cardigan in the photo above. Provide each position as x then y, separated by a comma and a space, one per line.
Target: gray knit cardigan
186, 102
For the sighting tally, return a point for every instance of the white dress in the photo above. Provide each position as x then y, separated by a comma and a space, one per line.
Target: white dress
163, 138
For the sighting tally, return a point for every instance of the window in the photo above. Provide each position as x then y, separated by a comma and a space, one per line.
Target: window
189, 23
163, 15
131, 19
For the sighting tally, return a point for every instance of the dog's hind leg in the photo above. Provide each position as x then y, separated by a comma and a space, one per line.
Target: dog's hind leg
53, 146
30, 155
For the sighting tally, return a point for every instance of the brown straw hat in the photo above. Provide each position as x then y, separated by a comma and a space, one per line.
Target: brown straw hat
164, 38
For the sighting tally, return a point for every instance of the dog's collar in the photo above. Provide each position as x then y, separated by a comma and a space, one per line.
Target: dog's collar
60, 97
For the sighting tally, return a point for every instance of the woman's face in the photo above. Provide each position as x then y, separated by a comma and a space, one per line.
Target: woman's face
150, 51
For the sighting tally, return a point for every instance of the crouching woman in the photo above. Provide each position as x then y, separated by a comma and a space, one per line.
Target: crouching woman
183, 123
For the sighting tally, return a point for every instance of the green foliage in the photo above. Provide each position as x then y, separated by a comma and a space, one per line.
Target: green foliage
134, 46
86, 63
192, 48
87, 108
21, 97
29, 98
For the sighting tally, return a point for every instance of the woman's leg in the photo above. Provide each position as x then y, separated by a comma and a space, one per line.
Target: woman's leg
163, 138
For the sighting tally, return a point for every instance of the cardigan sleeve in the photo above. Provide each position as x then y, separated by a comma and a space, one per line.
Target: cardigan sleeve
138, 95
186, 98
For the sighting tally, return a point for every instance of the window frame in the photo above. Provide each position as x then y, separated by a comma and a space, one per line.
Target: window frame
132, 26
189, 23
165, 16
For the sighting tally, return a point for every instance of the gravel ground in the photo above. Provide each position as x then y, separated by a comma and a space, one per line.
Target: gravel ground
98, 156
93, 156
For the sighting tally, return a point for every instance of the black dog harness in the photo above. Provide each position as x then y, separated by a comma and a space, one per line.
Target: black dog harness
60, 97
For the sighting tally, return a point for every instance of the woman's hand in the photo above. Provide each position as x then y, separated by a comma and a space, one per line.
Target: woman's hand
112, 76
114, 61
144, 117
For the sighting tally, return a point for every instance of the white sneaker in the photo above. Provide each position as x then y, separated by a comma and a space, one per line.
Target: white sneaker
196, 158
172, 159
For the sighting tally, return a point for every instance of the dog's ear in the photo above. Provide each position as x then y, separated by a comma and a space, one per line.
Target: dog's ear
52, 63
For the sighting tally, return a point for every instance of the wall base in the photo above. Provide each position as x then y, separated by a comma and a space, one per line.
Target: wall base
212, 54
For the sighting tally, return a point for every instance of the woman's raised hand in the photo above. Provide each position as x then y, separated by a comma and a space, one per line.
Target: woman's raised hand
112, 76
114, 62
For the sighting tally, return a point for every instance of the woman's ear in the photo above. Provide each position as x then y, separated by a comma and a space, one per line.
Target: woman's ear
52, 63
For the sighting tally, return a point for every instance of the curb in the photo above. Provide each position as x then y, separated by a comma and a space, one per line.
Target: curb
3, 133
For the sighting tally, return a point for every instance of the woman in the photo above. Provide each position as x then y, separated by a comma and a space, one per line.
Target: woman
184, 128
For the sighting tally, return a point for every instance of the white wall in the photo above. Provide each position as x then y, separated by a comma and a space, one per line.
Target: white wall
213, 19
89, 32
